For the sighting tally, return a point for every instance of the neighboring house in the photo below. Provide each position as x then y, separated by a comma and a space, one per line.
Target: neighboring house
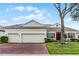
35, 32
2, 31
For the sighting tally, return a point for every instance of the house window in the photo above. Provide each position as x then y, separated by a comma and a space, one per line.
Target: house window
78, 36
51, 35
71, 35
65, 35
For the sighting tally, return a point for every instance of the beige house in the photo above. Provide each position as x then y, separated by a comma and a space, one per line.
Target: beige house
35, 32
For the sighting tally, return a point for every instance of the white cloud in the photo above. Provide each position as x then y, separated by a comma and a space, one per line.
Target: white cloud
22, 8
19, 8
3, 20
9, 24
70, 23
48, 14
30, 8
16, 19
40, 14
31, 16
35, 16
42, 11
68, 19
37, 11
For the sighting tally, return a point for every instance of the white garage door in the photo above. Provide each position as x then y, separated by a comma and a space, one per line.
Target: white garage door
33, 37
14, 38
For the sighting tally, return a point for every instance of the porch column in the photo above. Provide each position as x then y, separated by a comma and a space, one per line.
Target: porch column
20, 36
55, 36
67, 36
76, 36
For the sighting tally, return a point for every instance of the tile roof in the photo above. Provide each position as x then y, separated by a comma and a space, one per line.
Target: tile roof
46, 26
19, 26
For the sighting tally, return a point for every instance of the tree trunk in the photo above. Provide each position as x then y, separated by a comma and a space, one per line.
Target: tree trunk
62, 30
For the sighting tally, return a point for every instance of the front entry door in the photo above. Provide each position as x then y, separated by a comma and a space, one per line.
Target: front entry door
58, 35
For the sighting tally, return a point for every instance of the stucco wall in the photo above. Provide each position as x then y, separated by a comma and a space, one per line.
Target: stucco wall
20, 31
65, 32
2, 34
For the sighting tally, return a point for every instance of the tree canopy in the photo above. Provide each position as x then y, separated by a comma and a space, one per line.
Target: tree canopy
63, 9
75, 12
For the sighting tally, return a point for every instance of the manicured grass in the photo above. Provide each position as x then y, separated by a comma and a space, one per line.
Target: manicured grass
69, 48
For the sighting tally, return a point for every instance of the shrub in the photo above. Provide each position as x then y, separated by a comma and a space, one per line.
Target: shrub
4, 39
77, 40
73, 40
49, 40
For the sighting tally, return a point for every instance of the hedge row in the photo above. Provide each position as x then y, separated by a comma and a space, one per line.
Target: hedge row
53, 40
4, 39
74, 40
49, 40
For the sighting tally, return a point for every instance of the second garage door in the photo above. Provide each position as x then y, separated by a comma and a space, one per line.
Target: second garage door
33, 37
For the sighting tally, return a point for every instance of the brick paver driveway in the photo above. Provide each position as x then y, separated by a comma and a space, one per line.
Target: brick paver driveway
23, 49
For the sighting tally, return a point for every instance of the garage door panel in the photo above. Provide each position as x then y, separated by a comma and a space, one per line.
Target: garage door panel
32, 33
14, 38
33, 38
13, 34
26, 38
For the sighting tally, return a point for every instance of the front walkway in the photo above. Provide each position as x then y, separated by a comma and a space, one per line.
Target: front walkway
30, 48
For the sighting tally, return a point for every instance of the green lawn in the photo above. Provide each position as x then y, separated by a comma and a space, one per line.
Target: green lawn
69, 48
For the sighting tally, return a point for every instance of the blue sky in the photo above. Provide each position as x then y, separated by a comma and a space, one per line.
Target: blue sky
17, 13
